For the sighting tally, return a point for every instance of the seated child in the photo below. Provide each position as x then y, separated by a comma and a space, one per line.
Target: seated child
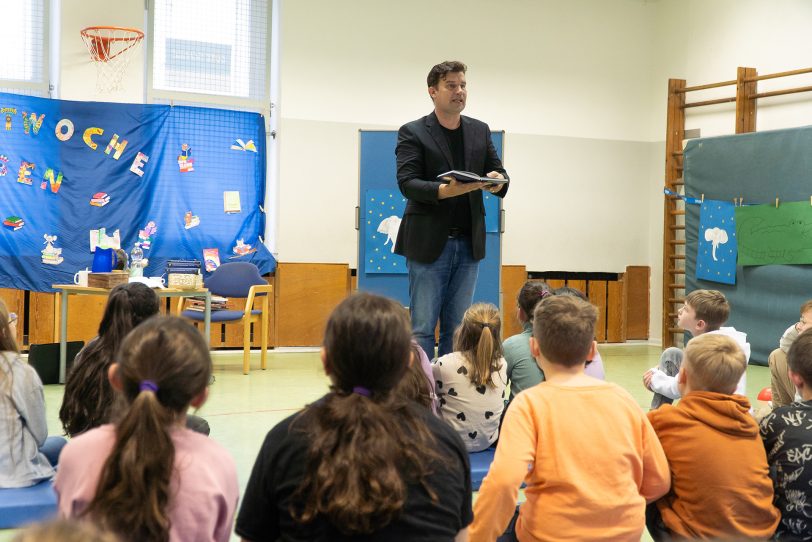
587, 454
417, 383
362, 462
89, 400
704, 311
471, 381
522, 370
594, 365
783, 389
787, 434
148, 477
23, 429
721, 486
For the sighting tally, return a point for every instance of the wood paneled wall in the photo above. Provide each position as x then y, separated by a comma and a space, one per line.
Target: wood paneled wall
306, 293
623, 303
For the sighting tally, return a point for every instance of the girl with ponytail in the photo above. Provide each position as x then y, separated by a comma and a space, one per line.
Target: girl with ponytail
148, 477
364, 461
471, 381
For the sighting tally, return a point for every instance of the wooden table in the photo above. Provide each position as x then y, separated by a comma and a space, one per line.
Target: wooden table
65, 290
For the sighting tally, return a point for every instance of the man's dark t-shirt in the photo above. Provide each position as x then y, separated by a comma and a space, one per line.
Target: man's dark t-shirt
461, 213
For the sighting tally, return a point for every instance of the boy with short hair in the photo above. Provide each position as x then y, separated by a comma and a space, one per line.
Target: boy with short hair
587, 454
787, 434
704, 311
721, 486
783, 390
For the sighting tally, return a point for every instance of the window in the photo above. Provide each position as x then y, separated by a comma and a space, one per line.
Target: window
214, 48
24, 45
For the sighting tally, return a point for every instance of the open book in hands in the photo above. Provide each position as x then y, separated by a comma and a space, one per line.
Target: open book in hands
468, 177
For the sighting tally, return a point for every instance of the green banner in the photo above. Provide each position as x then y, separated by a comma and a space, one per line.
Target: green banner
770, 235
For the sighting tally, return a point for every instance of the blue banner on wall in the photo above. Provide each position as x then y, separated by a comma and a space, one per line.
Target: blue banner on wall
178, 180
717, 249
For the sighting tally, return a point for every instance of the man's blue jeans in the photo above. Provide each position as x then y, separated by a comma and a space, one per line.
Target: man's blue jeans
442, 290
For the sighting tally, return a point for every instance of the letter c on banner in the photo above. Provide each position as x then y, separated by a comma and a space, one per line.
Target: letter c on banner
64, 123
89, 133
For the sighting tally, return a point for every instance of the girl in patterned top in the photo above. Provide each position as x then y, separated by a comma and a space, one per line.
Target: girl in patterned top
471, 381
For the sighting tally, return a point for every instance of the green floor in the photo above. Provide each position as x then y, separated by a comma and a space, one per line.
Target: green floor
241, 409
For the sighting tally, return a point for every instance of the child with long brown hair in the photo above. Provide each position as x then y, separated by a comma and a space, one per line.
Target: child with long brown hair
471, 381
23, 430
363, 461
89, 399
149, 477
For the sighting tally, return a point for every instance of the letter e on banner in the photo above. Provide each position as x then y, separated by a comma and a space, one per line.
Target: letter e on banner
140, 160
24, 175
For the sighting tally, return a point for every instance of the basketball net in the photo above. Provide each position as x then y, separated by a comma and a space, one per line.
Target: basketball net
111, 48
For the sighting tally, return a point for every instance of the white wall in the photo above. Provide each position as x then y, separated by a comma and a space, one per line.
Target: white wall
573, 110
77, 72
705, 41
578, 86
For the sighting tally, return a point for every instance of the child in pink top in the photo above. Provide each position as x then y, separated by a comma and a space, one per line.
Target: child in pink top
148, 477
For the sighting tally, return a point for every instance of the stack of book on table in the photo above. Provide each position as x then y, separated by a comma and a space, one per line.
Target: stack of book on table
199, 303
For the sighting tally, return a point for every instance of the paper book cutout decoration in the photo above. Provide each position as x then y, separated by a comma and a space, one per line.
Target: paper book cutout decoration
146, 235
190, 221
717, 247
99, 199
50, 254
13, 222
231, 201
185, 161
772, 235
383, 209
211, 258
99, 238
241, 248
241, 145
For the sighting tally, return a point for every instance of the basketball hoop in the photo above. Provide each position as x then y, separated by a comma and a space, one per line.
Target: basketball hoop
111, 49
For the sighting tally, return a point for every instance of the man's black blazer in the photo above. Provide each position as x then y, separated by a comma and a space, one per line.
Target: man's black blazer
423, 153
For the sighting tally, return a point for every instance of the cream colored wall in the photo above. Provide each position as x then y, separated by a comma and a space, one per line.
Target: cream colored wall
77, 72
574, 109
704, 42
579, 87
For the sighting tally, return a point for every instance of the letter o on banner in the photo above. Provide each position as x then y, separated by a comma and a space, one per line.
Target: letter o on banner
64, 136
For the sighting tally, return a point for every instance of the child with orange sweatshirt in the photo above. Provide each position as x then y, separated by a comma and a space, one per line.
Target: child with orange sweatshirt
571, 439
721, 483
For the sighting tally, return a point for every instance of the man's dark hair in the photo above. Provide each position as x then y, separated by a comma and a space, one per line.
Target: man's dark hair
442, 69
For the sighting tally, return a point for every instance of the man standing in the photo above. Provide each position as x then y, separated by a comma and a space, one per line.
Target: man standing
442, 234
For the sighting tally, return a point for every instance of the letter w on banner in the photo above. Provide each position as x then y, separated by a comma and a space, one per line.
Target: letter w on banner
717, 247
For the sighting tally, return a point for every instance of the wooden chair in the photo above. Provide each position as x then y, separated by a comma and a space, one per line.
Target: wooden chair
239, 280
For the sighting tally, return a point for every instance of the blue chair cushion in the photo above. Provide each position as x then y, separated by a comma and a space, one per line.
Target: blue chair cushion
480, 464
218, 316
23, 505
